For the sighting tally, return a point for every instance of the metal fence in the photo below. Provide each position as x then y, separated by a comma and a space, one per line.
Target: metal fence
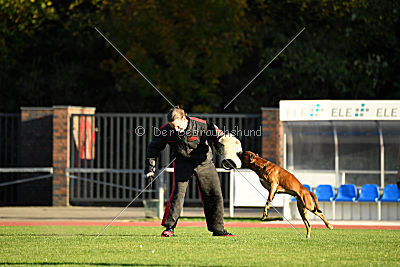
10, 138
108, 153
10, 156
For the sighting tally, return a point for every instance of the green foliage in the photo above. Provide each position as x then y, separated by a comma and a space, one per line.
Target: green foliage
199, 54
194, 246
49, 58
183, 47
349, 50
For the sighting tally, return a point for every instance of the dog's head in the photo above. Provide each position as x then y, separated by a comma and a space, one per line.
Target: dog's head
247, 158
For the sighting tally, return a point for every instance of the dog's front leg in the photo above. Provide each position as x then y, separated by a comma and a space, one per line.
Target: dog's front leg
271, 196
266, 209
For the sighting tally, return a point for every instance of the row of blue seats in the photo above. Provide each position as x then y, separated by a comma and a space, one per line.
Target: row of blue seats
349, 193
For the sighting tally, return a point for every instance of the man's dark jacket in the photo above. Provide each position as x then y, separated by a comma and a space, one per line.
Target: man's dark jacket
193, 144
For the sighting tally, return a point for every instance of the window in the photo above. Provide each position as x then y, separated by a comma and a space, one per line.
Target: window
359, 146
391, 141
359, 150
310, 146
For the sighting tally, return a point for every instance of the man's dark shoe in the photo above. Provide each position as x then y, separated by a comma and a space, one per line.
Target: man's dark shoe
223, 233
168, 233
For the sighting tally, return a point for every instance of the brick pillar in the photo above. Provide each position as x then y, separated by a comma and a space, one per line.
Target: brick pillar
61, 150
272, 135
36, 148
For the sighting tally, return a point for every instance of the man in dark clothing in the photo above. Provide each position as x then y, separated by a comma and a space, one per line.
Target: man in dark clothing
190, 139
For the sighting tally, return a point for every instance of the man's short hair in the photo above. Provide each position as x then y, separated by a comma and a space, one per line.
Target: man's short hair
175, 113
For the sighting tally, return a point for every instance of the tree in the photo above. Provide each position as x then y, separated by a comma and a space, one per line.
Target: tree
49, 55
349, 50
199, 54
184, 47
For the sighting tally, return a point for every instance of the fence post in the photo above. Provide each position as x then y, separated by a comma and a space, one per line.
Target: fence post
231, 192
61, 150
161, 197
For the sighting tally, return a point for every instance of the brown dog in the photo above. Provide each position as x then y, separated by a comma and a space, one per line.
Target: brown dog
277, 180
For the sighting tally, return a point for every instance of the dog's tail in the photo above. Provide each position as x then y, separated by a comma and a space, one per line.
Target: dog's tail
316, 202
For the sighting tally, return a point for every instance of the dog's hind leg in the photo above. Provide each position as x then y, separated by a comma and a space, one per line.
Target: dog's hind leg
309, 198
303, 213
322, 216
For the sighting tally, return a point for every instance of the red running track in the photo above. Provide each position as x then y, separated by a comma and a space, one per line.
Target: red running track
190, 224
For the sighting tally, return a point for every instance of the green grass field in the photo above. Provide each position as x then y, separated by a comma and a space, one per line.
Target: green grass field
194, 246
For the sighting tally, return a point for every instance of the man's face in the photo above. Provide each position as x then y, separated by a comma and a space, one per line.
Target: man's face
179, 125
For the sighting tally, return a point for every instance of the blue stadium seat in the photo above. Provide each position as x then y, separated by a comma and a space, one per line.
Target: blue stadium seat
306, 186
325, 192
369, 193
347, 193
391, 193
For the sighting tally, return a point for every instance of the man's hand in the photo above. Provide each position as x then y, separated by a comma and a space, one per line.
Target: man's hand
150, 168
150, 175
